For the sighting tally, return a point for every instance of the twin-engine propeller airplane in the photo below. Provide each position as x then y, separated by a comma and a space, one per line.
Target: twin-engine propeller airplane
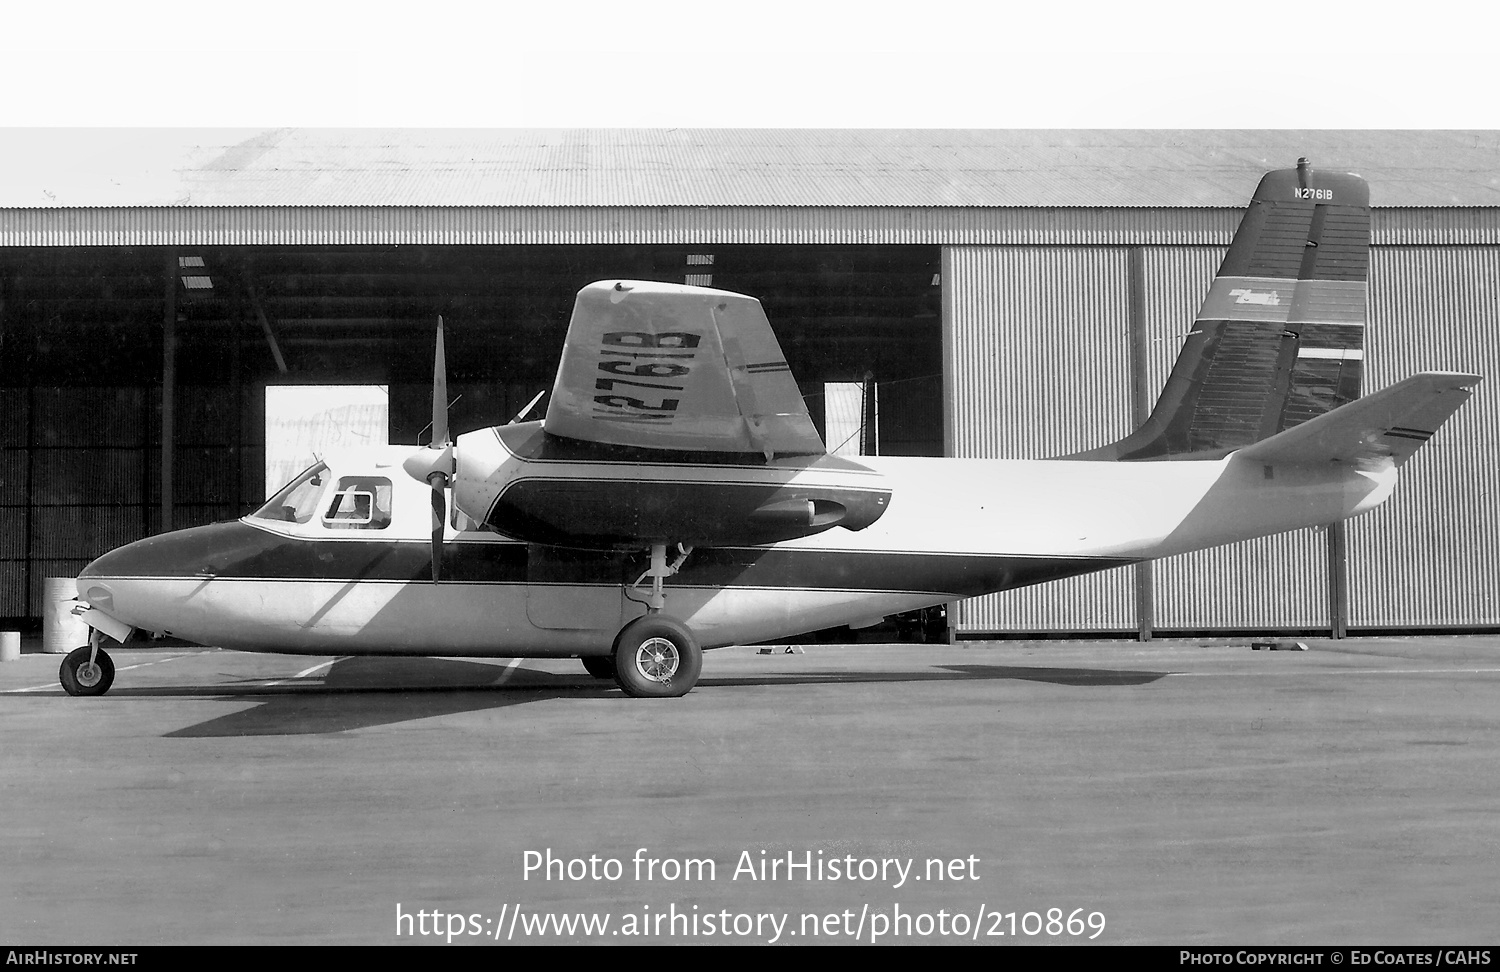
676, 448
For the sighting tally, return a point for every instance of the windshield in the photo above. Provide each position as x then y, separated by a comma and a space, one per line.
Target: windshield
298, 500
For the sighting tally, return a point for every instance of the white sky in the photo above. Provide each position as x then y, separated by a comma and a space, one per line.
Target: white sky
781, 63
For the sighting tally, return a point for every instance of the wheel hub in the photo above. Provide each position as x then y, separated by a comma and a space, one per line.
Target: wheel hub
657, 659
88, 674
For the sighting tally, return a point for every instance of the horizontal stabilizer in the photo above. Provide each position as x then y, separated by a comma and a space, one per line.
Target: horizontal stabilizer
1389, 424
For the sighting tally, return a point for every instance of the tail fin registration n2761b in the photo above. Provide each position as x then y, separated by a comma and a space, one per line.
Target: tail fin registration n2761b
1280, 337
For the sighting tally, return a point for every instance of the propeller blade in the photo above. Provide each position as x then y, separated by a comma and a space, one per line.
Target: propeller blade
439, 514
435, 464
439, 391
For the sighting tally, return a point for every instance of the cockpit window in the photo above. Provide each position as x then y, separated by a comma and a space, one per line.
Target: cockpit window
361, 503
298, 500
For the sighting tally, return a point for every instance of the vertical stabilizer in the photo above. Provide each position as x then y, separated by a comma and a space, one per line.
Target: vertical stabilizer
1280, 336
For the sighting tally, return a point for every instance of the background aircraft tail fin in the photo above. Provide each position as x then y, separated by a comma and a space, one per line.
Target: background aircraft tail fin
1280, 337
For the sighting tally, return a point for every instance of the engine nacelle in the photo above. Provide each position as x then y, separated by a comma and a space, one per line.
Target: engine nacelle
540, 488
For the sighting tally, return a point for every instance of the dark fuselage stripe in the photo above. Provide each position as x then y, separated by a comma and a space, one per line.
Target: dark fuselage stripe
236, 551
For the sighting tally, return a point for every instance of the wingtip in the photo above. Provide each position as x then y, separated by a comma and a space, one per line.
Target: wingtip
1458, 379
1444, 379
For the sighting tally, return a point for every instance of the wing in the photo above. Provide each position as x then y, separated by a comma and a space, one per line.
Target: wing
667, 366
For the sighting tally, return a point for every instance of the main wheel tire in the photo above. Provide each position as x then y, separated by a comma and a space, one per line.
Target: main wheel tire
599, 666
657, 657
80, 677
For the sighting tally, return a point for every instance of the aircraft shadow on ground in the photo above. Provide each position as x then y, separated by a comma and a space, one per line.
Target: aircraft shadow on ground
952, 673
360, 693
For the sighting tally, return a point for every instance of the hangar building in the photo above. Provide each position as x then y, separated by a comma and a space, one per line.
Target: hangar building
998, 293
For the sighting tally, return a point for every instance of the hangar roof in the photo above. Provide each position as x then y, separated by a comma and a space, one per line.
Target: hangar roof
189, 169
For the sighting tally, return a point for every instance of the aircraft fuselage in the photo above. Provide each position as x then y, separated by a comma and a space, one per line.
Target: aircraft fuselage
348, 570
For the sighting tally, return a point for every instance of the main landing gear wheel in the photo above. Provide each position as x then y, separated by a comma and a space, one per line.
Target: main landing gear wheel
599, 666
80, 676
657, 657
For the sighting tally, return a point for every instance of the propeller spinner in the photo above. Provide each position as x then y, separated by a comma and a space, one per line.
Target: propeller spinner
435, 465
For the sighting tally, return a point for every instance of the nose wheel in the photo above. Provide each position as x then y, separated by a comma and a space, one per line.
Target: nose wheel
87, 671
657, 657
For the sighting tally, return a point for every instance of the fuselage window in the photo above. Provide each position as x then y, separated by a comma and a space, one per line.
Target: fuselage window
297, 501
361, 503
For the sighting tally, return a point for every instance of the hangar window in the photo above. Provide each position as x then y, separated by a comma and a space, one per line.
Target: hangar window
361, 503
297, 500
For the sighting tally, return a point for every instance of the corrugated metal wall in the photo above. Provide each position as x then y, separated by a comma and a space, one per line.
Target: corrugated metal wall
1050, 325
1274, 582
15, 499
87, 451
477, 225
1037, 364
1429, 556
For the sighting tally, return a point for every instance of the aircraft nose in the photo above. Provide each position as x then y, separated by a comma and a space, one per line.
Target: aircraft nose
134, 583
199, 551
143, 558
100, 580
115, 572
119, 562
